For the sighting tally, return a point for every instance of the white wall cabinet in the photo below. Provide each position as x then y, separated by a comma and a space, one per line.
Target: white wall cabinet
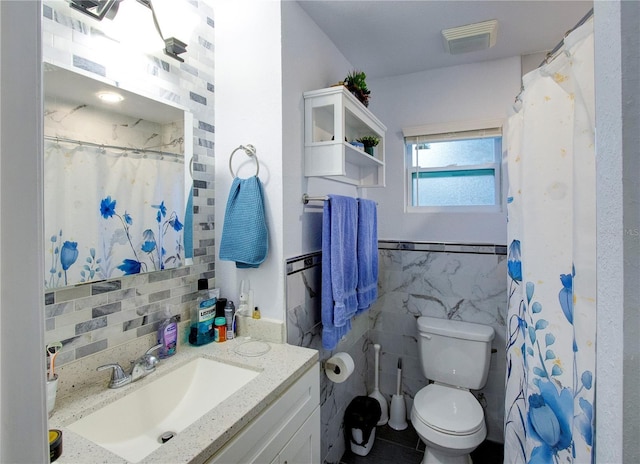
333, 119
287, 432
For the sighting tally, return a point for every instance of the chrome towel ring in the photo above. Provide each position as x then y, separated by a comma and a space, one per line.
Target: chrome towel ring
250, 151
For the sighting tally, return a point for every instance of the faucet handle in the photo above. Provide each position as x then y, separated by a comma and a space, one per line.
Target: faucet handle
153, 348
148, 360
118, 376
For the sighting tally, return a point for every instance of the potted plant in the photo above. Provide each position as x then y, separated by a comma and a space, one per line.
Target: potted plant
369, 141
357, 85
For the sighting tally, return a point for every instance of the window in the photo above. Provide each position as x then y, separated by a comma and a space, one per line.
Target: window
453, 170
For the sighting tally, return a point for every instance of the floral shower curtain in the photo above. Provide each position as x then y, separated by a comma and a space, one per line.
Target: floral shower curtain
551, 262
109, 214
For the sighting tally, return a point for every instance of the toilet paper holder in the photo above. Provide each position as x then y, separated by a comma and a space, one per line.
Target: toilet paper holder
338, 367
331, 366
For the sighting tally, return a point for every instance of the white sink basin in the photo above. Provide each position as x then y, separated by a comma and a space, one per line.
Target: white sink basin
131, 427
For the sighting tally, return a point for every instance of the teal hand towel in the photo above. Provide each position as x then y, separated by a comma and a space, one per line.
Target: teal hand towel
245, 237
188, 227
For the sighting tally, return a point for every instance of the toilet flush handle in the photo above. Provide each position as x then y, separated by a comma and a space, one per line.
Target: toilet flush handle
428, 337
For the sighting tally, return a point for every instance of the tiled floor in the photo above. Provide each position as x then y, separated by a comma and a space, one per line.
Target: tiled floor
393, 447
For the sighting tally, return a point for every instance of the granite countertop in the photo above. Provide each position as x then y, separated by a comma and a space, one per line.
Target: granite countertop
279, 368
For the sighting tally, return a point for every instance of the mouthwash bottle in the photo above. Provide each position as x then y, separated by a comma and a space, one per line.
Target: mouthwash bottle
202, 315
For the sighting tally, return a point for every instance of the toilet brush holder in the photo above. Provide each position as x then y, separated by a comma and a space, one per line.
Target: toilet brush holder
398, 410
398, 413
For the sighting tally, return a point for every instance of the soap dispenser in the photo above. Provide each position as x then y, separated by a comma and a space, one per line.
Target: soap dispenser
167, 335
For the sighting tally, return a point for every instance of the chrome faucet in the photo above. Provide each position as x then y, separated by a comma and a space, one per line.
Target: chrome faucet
141, 367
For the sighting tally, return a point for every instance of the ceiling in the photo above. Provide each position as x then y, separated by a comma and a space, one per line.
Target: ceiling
387, 38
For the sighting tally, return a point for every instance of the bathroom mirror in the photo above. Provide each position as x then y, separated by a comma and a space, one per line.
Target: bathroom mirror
115, 165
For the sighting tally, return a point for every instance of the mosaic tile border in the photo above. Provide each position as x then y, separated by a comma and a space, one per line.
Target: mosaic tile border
303, 262
309, 260
476, 248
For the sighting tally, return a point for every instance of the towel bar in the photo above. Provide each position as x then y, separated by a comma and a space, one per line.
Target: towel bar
306, 198
250, 151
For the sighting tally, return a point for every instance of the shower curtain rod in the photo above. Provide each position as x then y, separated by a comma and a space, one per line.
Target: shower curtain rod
559, 45
177, 156
552, 54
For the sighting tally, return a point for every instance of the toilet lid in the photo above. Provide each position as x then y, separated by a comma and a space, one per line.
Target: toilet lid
449, 410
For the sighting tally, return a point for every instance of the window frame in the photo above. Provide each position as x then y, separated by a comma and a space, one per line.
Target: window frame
450, 132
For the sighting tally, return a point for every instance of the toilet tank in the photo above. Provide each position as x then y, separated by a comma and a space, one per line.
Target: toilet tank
454, 352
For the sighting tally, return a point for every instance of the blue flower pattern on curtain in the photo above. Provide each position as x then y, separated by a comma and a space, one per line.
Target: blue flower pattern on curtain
551, 332
154, 249
547, 413
119, 241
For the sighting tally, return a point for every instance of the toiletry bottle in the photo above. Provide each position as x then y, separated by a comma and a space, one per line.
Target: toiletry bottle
220, 305
256, 313
220, 329
202, 315
229, 311
243, 300
167, 337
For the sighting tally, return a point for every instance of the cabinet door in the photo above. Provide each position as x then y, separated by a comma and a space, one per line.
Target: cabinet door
304, 446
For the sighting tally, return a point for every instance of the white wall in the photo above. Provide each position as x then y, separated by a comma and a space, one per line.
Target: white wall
249, 95
617, 107
630, 16
460, 93
260, 95
310, 61
23, 421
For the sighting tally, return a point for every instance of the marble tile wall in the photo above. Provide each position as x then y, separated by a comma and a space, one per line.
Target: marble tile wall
305, 329
463, 282
460, 282
95, 317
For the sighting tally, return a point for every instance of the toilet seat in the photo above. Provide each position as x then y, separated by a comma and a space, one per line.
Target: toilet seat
448, 410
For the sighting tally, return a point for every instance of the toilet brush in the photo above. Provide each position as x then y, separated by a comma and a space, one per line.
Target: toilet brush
375, 394
398, 414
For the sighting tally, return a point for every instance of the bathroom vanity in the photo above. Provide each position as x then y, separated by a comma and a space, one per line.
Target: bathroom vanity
272, 418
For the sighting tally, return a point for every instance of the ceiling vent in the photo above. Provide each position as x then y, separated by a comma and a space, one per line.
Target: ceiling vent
470, 38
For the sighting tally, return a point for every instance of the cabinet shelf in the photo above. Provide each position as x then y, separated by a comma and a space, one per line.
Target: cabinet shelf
333, 118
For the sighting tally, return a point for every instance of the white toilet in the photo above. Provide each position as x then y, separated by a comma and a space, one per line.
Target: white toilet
455, 356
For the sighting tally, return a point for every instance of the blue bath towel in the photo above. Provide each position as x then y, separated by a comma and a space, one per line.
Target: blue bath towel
245, 237
339, 268
367, 289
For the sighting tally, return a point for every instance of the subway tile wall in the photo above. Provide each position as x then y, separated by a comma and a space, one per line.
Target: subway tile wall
94, 317
453, 281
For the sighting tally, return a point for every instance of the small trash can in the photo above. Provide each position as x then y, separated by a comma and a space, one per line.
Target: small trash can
360, 419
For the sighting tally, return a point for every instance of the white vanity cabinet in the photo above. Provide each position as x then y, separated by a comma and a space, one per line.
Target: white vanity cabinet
333, 119
287, 432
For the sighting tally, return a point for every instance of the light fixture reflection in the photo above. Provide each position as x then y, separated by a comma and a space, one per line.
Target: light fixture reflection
110, 97
98, 9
